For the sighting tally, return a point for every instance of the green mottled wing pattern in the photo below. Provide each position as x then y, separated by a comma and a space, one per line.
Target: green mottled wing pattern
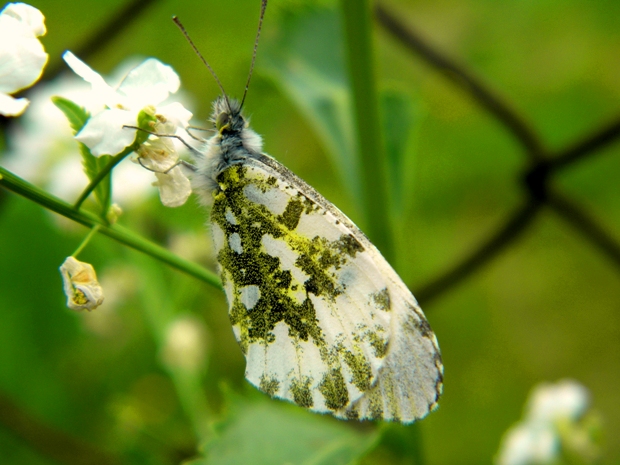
321, 317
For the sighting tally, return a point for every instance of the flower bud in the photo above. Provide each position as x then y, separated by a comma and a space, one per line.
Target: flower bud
81, 286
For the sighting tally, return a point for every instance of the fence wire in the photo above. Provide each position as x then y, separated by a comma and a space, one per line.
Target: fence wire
543, 165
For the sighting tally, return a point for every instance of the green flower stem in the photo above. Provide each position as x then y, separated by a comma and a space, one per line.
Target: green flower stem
116, 159
86, 240
116, 231
356, 16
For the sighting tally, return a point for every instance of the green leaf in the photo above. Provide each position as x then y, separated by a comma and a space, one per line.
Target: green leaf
306, 62
78, 116
262, 431
400, 120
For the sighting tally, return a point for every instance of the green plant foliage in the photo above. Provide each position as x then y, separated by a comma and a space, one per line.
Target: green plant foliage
254, 431
78, 117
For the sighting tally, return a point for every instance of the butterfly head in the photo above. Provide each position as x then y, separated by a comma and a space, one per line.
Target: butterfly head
227, 117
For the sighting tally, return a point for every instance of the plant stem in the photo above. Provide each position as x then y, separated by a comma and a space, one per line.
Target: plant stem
86, 240
117, 232
356, 16
101, 175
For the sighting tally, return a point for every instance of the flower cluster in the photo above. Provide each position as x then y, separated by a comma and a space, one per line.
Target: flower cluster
556, 424
133, 117
22, 56
114, 128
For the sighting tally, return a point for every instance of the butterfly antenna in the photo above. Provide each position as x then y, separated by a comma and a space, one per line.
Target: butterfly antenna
177, 21
263, 7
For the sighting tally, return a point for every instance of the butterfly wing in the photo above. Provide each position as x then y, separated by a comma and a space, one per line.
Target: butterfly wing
321, 317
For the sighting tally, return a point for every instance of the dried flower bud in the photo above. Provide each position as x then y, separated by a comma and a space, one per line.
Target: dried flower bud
81, 286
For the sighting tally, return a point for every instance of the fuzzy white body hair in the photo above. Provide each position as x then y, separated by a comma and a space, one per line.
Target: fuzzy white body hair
230, 146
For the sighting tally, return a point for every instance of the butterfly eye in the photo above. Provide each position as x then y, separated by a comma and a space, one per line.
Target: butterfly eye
222, 122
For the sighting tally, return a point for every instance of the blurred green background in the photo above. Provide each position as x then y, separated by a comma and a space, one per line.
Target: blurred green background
101, 387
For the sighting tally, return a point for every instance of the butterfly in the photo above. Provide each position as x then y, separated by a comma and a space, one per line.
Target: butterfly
322, 318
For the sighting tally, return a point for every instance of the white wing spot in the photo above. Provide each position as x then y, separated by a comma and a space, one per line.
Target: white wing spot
219, 239
274, 199
235, 243
230, 217
249, 296
279, 248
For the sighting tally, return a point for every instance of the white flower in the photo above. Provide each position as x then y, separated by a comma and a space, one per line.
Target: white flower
145, 87
174, 187
43, 149
22, 56
549, 402
555, 424
81, 287
525, 444
186, 344
160, 156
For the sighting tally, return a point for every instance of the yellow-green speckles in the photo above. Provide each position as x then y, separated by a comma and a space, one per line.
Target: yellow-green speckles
381, 299
302, 395
418, 325
334, 390
375, 404
292, 213
246, 263
379, 345
349, 245
373, 337
352, 414
254, 267
360, 370
269, 385
238, 314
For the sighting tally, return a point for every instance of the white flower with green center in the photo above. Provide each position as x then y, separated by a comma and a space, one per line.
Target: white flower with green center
22, 56
143, 89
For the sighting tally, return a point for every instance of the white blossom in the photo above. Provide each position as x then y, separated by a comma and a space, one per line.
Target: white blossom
81, 287
43, 149
144, 88
185, 344
160, 156
552, 427
22, 56
565, 399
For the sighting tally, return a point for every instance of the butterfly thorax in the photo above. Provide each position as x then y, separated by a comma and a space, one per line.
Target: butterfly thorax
234, 142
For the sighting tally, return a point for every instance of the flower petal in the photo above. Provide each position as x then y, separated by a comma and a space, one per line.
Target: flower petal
104, 134
92, 77
528, 444
175, 113
174, 187
80, 285
22, 56
552, 401
27, 15
150, 83
10, 106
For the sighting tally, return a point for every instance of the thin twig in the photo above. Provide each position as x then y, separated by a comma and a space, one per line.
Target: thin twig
21, 187
516, 225
587, 146
458, 74
586, 225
